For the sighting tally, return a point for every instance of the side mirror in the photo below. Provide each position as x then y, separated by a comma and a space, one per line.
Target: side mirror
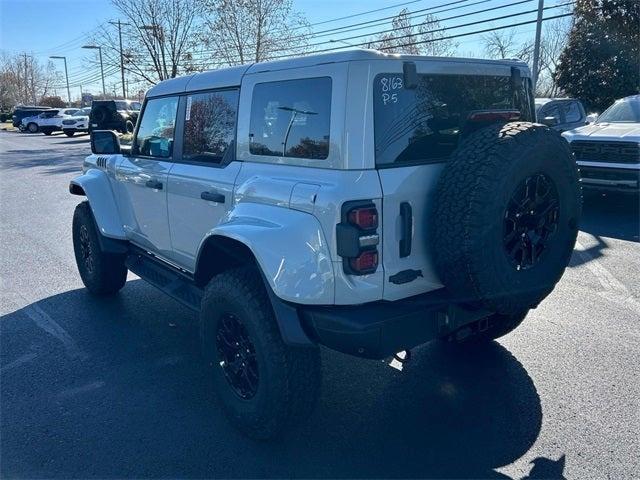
591, 118
104, 142
550, 121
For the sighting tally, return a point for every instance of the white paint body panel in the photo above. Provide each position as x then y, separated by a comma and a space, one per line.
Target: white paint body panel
286, 209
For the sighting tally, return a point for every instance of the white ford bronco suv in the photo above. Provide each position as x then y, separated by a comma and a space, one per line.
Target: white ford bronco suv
366, 202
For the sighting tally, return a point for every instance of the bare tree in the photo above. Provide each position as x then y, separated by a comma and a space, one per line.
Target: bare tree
157, 35
424, 38
24, 80
241, 31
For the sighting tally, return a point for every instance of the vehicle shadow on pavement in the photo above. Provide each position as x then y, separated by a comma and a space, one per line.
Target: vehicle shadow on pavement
611, 215
132, 399
53, 160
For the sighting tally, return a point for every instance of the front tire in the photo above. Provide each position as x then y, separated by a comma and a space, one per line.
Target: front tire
101, 273
69, 133
32, 127
263, 384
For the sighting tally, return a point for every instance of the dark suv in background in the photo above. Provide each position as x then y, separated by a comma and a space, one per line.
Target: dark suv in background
21, 112
119, 115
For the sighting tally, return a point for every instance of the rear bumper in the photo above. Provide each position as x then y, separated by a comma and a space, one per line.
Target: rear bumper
610, 179
379, 329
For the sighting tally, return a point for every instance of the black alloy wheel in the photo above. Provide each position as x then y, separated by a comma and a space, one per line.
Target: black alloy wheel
530, 220
85, 249
237, 356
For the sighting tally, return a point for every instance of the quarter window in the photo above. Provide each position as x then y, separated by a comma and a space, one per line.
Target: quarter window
209, 125
156, 130
291, 118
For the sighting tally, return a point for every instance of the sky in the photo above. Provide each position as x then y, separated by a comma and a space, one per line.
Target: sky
60, 27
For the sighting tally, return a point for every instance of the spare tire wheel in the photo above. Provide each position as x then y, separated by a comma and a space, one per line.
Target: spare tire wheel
506, 216
100, 115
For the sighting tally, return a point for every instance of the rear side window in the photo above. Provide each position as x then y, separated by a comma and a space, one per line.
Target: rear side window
209, 125
156, 130
424, 125
291, 118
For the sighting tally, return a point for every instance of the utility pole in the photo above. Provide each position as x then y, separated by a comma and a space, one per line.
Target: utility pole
99, 48
26, 78
536, 47
66, 74
119, 23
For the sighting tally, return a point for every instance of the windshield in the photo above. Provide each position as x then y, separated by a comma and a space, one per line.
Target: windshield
424, 124
83, 112
622, 112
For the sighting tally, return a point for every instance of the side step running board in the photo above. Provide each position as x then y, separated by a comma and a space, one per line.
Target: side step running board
172, 282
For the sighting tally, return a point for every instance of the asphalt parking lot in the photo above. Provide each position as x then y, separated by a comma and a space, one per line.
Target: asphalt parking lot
114, 387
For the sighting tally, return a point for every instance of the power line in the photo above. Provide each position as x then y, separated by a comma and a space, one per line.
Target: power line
381, 21
413, 35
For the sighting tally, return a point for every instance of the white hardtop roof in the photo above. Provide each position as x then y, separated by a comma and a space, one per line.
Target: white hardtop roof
232, 76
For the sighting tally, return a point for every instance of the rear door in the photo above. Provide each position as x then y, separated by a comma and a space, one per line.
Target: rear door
200, 189
416, 130
142, 177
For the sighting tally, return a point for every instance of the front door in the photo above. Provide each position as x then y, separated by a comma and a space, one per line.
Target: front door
201, 183
142, 177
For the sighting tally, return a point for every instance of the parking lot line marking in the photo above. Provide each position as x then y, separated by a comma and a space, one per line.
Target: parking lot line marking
614, 289
22, 359
82, 389
49, 325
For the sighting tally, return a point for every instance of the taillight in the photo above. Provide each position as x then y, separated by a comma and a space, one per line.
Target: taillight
364, 218
357, 237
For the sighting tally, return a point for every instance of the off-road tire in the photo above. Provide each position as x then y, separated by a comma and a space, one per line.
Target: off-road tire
470, 210
100, 115
491, 328
102, 273
32, 127
69, 133
289, 378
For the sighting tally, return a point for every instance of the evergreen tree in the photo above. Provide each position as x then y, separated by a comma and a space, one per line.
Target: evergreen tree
601, 61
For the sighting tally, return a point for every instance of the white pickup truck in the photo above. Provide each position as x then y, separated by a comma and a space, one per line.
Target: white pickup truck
608, 151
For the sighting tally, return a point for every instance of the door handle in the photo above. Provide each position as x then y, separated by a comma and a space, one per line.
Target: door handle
212, 197
155, 184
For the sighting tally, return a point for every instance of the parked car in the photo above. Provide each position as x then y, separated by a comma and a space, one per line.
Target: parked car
21, 112
560, 113
48, 121
118, 115
608, 151
349, 200
78, 122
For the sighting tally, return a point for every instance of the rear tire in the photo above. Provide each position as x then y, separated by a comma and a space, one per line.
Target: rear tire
506, 216
101, 273
263, 384
69, 133
32, 127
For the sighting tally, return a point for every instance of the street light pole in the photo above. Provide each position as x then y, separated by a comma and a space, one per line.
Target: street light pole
66, 74
97, 47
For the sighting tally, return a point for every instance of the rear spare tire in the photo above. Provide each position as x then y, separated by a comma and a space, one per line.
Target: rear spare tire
506, 216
